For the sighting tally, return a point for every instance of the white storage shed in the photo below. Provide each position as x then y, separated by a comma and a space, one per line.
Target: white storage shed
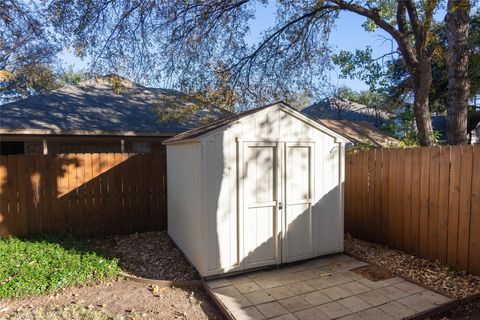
259, 188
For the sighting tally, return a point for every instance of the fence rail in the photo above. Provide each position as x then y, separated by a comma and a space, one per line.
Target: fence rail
425, 201
89, 194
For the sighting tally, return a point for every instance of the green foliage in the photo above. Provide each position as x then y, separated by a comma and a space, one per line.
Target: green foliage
404, 131
35, 79
44, 264
360, 65
386, 9
364, 144
70, 76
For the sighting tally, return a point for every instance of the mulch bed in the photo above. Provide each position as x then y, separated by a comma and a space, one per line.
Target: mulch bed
469, 311
433, 275
151, 255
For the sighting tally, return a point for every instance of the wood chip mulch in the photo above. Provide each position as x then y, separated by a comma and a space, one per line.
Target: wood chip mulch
469, 311
151, 255
433, 275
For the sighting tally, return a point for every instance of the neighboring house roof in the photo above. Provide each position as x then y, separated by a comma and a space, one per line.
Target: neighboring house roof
342, 109
200, 131
106, 105
359, 131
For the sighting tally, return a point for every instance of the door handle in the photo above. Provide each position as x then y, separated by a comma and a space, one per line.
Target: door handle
280, 206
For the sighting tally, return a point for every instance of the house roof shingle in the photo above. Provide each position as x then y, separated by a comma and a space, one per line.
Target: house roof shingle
342, 109
98, 107
359, 131
193, 133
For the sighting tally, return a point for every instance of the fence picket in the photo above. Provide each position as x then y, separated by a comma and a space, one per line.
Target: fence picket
378, 194
371, 195
398, 181
407, 200
453, 205
474, 252
12, 185
443, 194
5, 218
433, 202
415, 213
464, 207
385, 192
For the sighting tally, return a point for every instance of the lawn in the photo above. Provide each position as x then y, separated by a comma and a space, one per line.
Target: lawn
36, 265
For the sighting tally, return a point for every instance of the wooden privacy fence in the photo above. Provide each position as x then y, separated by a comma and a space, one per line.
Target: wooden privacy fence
88, 194
424, 201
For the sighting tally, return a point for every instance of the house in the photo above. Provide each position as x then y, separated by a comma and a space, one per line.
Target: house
264, 187
343, 109
102, 115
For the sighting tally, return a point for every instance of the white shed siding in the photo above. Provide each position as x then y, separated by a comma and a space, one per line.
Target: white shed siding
215, 242
220, 192
185, 199
330, 235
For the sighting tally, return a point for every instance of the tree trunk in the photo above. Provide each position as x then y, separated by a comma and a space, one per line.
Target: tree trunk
422, 79
458, 84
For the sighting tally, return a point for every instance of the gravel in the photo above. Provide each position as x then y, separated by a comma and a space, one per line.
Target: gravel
433, 275
151, 255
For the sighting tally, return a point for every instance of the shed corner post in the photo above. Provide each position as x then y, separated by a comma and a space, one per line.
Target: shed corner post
239, 185
204, 228
342, 159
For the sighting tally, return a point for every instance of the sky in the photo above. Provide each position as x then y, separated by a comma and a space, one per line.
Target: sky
347, 35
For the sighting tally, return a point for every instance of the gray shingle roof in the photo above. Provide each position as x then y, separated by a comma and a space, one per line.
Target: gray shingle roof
100, 107
342, 109
193, 133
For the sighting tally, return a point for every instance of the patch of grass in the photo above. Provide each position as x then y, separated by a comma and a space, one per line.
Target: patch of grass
43, 264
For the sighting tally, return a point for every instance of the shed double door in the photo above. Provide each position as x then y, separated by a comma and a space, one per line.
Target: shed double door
277, 202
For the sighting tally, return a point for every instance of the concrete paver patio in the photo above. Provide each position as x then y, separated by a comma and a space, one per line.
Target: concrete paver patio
319, 289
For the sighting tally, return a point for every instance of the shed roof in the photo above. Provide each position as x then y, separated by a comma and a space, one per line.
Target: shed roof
107, 105
197, 132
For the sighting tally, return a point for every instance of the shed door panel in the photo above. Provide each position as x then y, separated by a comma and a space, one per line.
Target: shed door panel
298, 242
260, 203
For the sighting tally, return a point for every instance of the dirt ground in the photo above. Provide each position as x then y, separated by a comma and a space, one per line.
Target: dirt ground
121, 300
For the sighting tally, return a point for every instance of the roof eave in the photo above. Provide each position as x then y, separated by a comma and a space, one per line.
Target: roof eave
57, 132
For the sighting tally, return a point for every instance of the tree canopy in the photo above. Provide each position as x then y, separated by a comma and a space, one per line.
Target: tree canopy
388, 75
203, 47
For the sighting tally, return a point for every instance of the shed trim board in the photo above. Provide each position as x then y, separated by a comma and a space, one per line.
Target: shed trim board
270, 189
